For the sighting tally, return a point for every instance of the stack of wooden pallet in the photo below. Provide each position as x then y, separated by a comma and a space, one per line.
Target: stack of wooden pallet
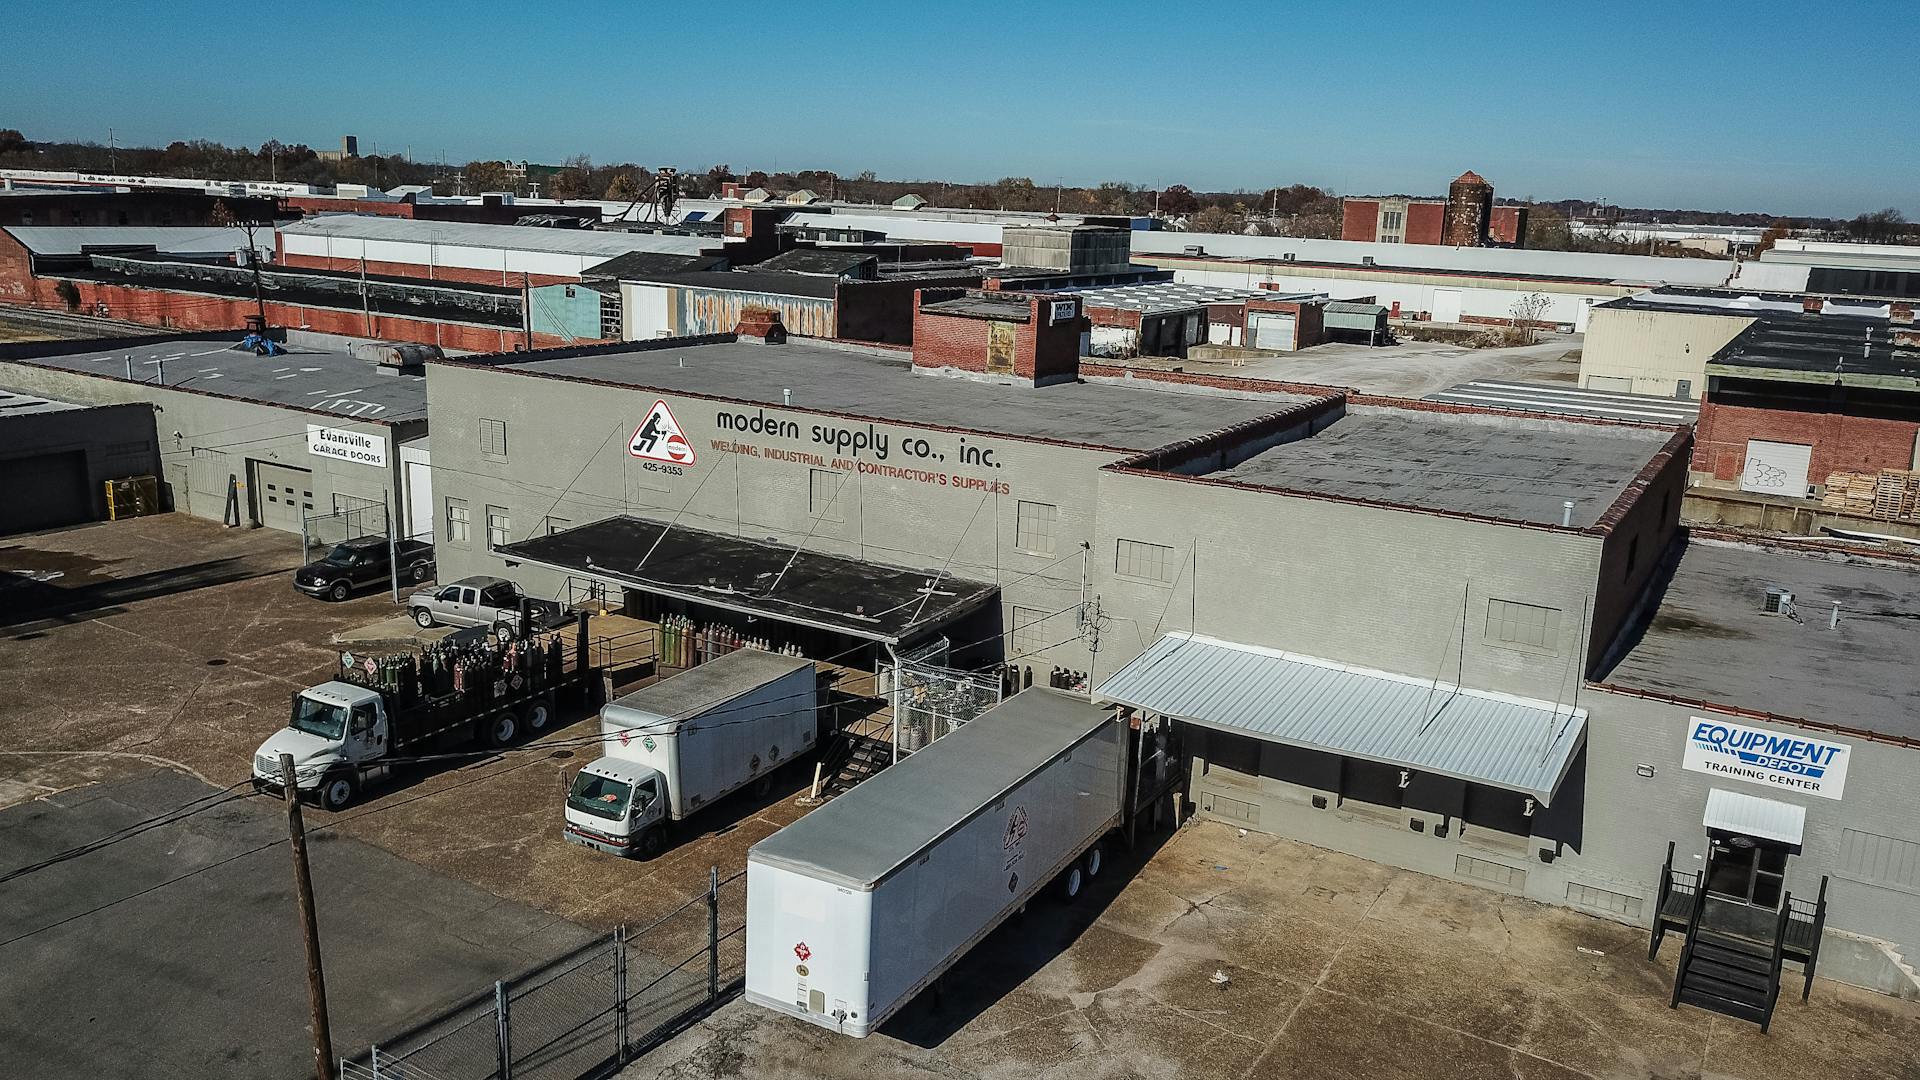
1891, 494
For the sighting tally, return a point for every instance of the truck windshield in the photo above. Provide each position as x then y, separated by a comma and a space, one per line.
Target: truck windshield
342, 556
601, 796
318, 718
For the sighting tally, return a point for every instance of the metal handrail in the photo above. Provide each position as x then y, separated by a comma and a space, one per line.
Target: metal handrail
1779, 957
1693, 928
1819, 931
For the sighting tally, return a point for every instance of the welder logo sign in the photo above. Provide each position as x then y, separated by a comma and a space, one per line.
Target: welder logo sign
660, 438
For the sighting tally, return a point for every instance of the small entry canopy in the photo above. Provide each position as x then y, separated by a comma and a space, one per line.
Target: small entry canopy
1520, 744
887, 604
1749, 815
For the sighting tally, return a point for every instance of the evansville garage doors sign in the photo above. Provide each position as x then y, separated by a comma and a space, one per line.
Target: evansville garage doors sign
1759, 756
354, 446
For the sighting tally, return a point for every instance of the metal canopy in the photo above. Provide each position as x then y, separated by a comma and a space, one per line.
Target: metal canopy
1750, 815
887, 604
1520, 744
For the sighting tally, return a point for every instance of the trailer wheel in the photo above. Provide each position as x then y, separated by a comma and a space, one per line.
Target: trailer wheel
1093, 860
1072, 882
502, 727
423, 618
340, 591
539, 714
763, 786
338, 791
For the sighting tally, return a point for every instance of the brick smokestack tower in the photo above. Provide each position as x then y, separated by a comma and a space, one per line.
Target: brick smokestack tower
1469, 208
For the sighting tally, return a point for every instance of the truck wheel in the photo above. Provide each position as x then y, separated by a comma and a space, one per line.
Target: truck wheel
539, 715
423, 618
1092, 860
501, 728
338, 791
418, 572
649, 845
339, 592
1072, 882
503, 632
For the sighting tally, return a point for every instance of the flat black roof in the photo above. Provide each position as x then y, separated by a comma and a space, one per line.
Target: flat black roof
636, 264
1710, 640
1841, 348
864, 599
870, 384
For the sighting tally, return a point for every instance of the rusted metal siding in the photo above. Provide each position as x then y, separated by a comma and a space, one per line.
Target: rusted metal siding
712, 311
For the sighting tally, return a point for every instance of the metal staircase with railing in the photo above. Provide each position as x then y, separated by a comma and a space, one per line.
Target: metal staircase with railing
1732, 960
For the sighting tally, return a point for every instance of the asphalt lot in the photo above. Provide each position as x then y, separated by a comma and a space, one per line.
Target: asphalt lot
203, 978
1412, 368
1336, 969
173, 643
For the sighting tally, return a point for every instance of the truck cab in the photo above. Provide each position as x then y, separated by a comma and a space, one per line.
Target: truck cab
337, 733
618, 806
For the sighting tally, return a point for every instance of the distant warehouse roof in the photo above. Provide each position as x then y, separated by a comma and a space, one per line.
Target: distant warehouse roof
509, 237
166, 239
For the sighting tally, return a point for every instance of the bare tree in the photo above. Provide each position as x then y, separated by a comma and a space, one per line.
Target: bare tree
1526, 312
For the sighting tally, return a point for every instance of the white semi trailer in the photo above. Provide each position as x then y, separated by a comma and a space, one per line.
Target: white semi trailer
688, 741
860, 905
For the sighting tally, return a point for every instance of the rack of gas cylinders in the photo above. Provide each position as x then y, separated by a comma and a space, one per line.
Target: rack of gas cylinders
1016, 677
448, 671
685, 643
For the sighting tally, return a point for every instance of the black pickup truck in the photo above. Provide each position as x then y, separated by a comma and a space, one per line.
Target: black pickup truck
363, 562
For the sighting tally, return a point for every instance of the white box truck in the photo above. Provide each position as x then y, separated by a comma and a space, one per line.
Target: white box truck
686, 742
860, 905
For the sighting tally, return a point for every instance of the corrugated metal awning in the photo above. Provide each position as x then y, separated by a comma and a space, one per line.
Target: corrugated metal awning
1520, 744
1750, 815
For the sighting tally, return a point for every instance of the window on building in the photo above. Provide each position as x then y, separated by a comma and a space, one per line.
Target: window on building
1133, 558
493, 439
1028, 632
823, 494
459, 522
1392, 220
1033, 527
557, 524
1526, 625
498, 526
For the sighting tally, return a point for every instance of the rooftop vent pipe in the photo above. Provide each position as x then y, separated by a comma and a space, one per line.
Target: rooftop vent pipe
786, 397
1566, 514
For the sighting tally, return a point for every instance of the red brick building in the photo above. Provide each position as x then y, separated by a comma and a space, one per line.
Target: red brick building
1794, 399
1029, 336
1467, 217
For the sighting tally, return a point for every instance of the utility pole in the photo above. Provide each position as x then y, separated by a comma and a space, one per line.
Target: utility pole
113, 154
323, 1067
366, 305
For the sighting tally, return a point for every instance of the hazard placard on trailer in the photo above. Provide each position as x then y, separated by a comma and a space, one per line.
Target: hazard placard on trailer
659, 438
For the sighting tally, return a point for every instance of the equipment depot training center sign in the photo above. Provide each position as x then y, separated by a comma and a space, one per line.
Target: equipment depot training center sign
1773, 758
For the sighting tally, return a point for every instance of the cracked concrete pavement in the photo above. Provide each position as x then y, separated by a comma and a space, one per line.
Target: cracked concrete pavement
1334, 967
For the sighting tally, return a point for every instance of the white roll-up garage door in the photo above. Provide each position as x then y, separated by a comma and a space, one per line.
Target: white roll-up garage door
1776, 468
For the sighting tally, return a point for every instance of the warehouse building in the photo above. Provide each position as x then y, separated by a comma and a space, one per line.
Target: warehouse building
309, 440
1449, 638
61, 461
1792, 401
1467, 217
512, 255
1658, 341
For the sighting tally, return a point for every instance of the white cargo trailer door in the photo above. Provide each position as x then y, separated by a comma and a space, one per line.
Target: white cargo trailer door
1776, 468
809, 947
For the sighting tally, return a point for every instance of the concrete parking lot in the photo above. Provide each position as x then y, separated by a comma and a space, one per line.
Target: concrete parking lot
1231, 955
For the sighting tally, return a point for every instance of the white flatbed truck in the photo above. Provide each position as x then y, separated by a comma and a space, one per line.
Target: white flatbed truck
862, 904
687, 742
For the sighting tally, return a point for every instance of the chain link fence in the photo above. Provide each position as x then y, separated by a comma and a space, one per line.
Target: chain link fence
929, 700
350, 519
588, 1011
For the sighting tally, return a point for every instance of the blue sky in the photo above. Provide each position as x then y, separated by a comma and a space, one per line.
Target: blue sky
1687, 103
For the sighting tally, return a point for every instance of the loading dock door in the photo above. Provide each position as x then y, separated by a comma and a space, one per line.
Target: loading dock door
44, 492
282, 495
420, 501
1446, 305
1776, 468
1272, 330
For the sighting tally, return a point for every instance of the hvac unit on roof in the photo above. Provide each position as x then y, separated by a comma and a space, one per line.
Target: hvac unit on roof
1779, 602
1286, 256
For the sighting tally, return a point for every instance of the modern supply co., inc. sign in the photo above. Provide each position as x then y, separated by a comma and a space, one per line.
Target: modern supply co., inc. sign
1759, 756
